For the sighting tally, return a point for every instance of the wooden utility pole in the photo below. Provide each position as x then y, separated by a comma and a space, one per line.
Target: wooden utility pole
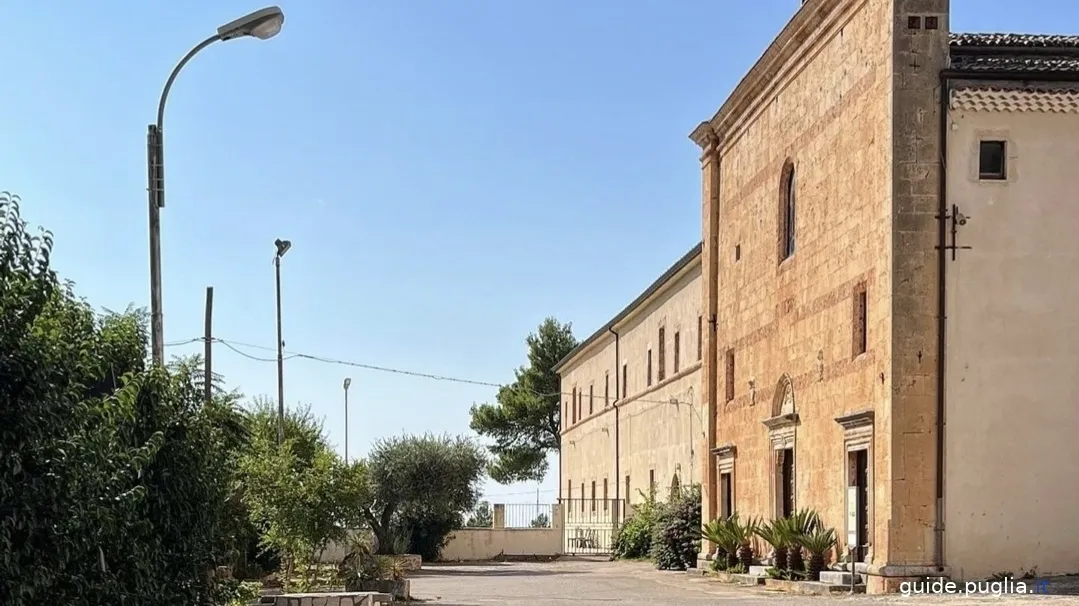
208, 372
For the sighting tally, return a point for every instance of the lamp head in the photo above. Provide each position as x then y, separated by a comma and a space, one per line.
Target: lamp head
262, 24
283, 246
347, 383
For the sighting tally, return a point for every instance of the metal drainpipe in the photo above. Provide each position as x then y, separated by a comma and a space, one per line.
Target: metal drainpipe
946, 76
617, 397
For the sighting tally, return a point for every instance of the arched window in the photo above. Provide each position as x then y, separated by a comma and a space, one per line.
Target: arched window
787, 212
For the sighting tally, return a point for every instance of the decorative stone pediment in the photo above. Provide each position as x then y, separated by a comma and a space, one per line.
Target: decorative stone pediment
782, 421
724, 451
856, 420
857, 429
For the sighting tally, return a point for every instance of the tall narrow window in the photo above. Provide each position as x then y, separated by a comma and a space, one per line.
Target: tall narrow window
591, 399
606, 389
662, 371
991, 161
860, 323
652, 481
583, 498
625, 380
788, 217
627, 488
676, 351
580, 404
730, 375
606, 503
593, 495
565, 417
573, 403
700, 338
569, 490
648, 368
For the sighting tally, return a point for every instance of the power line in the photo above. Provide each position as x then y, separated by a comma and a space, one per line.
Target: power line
234, 345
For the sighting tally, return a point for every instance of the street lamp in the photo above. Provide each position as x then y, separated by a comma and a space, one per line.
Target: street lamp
347, 383
283, 247
262, 24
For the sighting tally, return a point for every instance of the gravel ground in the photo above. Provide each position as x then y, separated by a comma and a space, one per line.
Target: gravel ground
583, 582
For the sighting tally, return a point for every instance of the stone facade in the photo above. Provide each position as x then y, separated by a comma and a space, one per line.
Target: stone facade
822, 262
625, 425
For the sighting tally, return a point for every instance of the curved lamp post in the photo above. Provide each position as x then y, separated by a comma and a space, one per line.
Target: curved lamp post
262, 24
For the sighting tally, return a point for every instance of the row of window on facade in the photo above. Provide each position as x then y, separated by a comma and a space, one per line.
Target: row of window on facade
602, 498
574, 408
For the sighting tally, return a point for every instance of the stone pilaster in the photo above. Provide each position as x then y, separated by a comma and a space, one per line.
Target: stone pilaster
707, 139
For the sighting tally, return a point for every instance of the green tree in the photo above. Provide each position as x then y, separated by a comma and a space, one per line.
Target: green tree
481, 517
524, 422
299, 494
419, 485
114, 479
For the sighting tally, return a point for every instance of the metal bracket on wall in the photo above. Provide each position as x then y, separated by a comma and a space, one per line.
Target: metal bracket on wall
957, 219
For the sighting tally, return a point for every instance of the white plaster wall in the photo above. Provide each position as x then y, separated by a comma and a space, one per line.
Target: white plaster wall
654, 434
1012, 374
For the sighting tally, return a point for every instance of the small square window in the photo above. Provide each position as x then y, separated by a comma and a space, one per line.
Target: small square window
932, 23
914, 22
992, 160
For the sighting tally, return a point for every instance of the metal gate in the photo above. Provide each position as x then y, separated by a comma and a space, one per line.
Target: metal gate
591, 525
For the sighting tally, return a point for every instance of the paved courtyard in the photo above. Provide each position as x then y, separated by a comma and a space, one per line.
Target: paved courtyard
595, 582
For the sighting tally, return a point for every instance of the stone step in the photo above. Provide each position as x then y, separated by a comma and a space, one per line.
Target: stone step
835, 577
859, 567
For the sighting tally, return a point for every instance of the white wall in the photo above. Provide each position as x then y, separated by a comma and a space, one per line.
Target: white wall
1012, 374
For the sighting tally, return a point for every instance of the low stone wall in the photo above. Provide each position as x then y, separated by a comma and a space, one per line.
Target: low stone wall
476, 544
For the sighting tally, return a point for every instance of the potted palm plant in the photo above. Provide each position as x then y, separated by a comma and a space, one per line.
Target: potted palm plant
817, 543
742, 535
801, 524
715, 532
776, 534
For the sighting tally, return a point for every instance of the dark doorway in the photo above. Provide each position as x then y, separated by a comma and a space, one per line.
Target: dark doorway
725, 495
859, 479
786, 482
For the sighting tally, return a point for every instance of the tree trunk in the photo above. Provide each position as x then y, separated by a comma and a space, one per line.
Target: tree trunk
795, 562
732, 560
745, 556
780, 559
816, 565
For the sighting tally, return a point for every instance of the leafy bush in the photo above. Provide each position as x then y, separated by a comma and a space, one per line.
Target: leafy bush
115, 480
677, 530
634, 538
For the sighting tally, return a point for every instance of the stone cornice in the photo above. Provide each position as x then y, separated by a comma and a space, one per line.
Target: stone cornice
854, 420
775, 67
724, 450
1015, 100
782, 421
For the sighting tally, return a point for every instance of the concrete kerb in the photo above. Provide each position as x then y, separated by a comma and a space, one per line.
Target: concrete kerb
353, 598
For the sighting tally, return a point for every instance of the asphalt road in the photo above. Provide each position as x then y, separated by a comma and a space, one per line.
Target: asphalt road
601, 583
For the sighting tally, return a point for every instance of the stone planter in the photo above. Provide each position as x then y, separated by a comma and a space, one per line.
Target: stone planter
400, 590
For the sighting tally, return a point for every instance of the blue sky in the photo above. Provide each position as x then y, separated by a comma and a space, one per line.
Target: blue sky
450, 173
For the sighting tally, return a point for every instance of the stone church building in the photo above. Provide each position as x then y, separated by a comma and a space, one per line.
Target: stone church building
889, 250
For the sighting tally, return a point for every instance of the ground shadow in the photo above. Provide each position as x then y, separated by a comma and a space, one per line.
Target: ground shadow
489, 570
